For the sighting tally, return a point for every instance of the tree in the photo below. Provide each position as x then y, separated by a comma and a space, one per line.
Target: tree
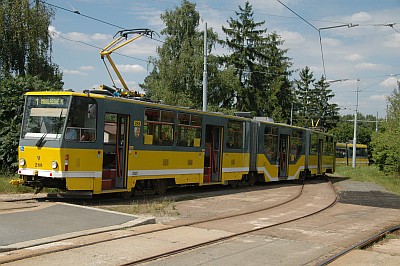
386, 143
325, 113
303, 96
25, 65
260, 65
177, 73
12, 102
313, 107
25, 40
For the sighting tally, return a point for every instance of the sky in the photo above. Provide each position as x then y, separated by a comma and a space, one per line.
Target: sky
360, 41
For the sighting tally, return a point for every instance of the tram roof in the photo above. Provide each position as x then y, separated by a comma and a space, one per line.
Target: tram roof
160, 105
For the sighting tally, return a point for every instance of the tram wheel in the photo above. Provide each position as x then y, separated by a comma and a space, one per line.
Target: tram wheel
251, 179
160, 186
234, 183
126, 195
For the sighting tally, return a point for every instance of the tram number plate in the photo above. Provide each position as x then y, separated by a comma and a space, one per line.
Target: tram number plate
137, 123
38, 165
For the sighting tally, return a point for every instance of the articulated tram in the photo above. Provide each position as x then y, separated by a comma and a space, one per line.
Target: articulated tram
344, 154
89, 143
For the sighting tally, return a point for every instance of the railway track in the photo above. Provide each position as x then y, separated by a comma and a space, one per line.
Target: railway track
24, 254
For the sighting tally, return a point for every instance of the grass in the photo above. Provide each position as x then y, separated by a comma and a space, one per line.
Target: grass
370, 174
7, 188
163, 207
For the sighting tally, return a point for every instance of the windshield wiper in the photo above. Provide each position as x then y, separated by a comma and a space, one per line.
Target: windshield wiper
40, 141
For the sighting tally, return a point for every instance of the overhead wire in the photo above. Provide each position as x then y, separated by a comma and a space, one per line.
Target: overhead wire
74, 11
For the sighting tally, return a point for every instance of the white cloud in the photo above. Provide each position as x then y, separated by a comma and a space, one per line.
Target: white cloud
378, 97
53, 32
99, 36
74, 72
331, 42
292, 38
370, 66
130, 68
77, 36
361, 17
87, 68
353, 57
390, 82
393, 41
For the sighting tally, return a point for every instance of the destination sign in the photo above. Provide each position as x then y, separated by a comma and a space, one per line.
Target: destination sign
42, 101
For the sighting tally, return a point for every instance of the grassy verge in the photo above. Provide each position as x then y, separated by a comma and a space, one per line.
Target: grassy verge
156, 208
7, 188
370, 174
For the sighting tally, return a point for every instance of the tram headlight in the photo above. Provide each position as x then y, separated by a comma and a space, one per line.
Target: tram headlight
22, 162
54, 164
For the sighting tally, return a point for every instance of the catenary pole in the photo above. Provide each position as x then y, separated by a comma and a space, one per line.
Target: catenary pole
205, 71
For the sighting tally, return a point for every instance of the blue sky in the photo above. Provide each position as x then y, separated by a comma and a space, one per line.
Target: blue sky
369, 52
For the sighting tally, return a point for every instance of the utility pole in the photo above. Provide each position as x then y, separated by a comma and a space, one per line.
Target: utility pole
376, 126
355, 126
205, 71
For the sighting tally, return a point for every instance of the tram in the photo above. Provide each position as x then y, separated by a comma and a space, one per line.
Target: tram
93, 143
344, 154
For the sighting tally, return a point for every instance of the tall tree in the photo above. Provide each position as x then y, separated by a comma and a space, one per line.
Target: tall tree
25, 40
25, 65
245, 41
178, 71
325, 113
313, 105
303, 88
262, 67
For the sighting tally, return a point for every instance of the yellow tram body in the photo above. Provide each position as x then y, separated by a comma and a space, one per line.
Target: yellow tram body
95, 144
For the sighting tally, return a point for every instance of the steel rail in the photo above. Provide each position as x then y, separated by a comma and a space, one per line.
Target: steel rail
138, 234
366, 242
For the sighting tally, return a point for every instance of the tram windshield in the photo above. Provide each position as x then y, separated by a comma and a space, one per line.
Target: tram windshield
44, 117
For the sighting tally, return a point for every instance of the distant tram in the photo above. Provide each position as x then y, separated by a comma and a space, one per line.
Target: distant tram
344, 154
92, 143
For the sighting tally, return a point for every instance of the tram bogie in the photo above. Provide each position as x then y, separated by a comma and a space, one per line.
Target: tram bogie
100, 144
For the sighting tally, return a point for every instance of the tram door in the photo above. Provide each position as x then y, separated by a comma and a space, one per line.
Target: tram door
283, 156
320, 148
212, 158
114, 151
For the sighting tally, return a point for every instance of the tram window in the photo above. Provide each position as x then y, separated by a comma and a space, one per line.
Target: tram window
296, 145
188, 130
314, 144
158, 127
82, 120
44, 115
110, 128
328, 147
271, 143
235, 135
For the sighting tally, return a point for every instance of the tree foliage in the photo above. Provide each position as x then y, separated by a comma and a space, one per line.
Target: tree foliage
25, 65
386, 143
177, 73
261, 66
12, 102
313, 106
25, 40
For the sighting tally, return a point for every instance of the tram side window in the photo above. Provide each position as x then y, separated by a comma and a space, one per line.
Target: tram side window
235, 135
296, 145
271, 143
188, 130
340, 153
328, 147
314, 144
158, 127
361, 152
82, 120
